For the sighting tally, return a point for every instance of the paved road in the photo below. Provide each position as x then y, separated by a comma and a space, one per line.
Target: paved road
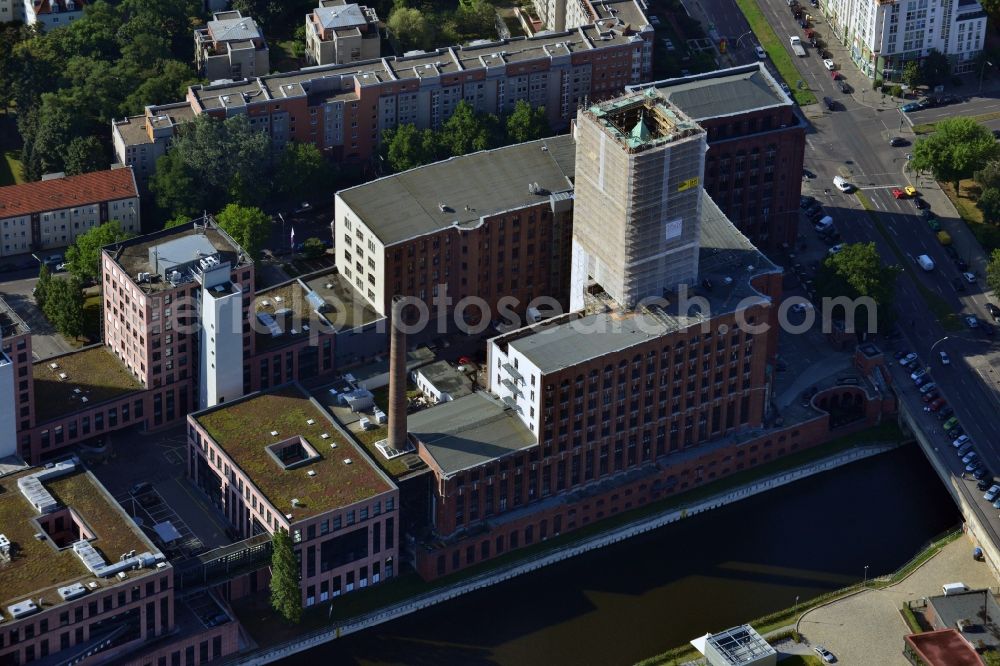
853, 142
16, 291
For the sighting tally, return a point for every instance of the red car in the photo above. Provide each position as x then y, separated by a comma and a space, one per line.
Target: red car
937, 404
898, 193
931, 396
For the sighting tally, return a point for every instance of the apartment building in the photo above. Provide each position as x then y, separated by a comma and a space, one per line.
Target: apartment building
15, 379
231, 46
756, 146
140, 140
344, 109
569, 14
53, 212
11, 11
278, 461
499, 237
884, 36
338, 33
52, 14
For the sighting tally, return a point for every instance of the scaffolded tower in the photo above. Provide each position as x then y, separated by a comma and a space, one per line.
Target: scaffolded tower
639, 166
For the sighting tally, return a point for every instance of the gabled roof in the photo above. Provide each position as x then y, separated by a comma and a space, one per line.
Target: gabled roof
67, 192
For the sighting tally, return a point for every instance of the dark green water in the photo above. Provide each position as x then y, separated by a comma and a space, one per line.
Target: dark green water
632, 600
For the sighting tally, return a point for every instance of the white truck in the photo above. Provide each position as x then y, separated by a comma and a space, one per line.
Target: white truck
797, 47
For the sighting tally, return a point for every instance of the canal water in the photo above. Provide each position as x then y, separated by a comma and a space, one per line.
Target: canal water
646, 595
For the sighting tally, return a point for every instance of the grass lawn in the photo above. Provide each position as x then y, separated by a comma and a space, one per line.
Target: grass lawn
775, 48
10, 145
939, 307
928, 128
802, 660
988, 235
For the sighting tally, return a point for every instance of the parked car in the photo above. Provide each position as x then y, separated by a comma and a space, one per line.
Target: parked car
845, 87
908, 359
984, 474
969, 457
830, 106
950, 423
921, 204
825, 654
937, 404
761, 53
961, 441
931, 397
897, 193
934, 224
829, 64
898, 141
141, 488
910, 191
910, 107
972, 321
946, 412
920, 382
969, 277
984, 483
927, 388
917, 374
992, 493
994, 311
945, 359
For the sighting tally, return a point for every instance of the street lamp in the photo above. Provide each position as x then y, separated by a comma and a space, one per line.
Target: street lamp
796, 611
865, 584
982, 70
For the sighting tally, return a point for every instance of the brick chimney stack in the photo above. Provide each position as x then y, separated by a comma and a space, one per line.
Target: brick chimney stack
397, 376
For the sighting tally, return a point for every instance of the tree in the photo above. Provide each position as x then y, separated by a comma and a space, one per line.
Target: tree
989, 203
913, 74
42, 286
247, 225
989, 175
84, 256
313, 248
411, 28
466, 131
936, 68
958, 148
993, 272
64, 306
85, 154
527, 124
857, 271
407, 147
991, 657
475, 19
176, 221
173, 187
286, 598
302, 170
299, 41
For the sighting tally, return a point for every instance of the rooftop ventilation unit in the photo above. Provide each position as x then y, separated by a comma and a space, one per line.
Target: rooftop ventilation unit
72, 591
288, 516
347, 461
333, 445
274, 433
54, 366
310, 421
63, 376
23, 609
121, 575
295, 501
311, 472
4, 547
325, 436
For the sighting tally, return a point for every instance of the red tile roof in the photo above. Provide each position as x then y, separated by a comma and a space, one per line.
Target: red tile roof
67, 192
45, 6
945, 647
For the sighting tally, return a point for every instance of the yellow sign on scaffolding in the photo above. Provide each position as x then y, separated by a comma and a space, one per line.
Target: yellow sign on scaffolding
687, 184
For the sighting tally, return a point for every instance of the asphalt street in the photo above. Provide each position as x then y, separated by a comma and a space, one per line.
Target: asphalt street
853, 142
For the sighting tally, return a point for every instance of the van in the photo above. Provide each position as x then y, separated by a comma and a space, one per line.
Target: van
954, 588
944, 238
925, 262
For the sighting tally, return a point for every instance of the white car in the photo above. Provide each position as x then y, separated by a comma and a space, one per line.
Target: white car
825, 654
945, 360
992, 493
969, 457
829, 64
841, 184
908, 359
917, 374
835, 249
761, 53
961, 441
969, 277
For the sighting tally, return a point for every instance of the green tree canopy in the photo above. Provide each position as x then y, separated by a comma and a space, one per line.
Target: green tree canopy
302, 171
42, 286
937, 69
411, 28
64, 306
407, 147
989, 203
989, 175
856, 271
84, 256
957, 149
286, 597
313, 248
527, 124
993, 272
85, 154
247, 225
466, 131
913, 74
